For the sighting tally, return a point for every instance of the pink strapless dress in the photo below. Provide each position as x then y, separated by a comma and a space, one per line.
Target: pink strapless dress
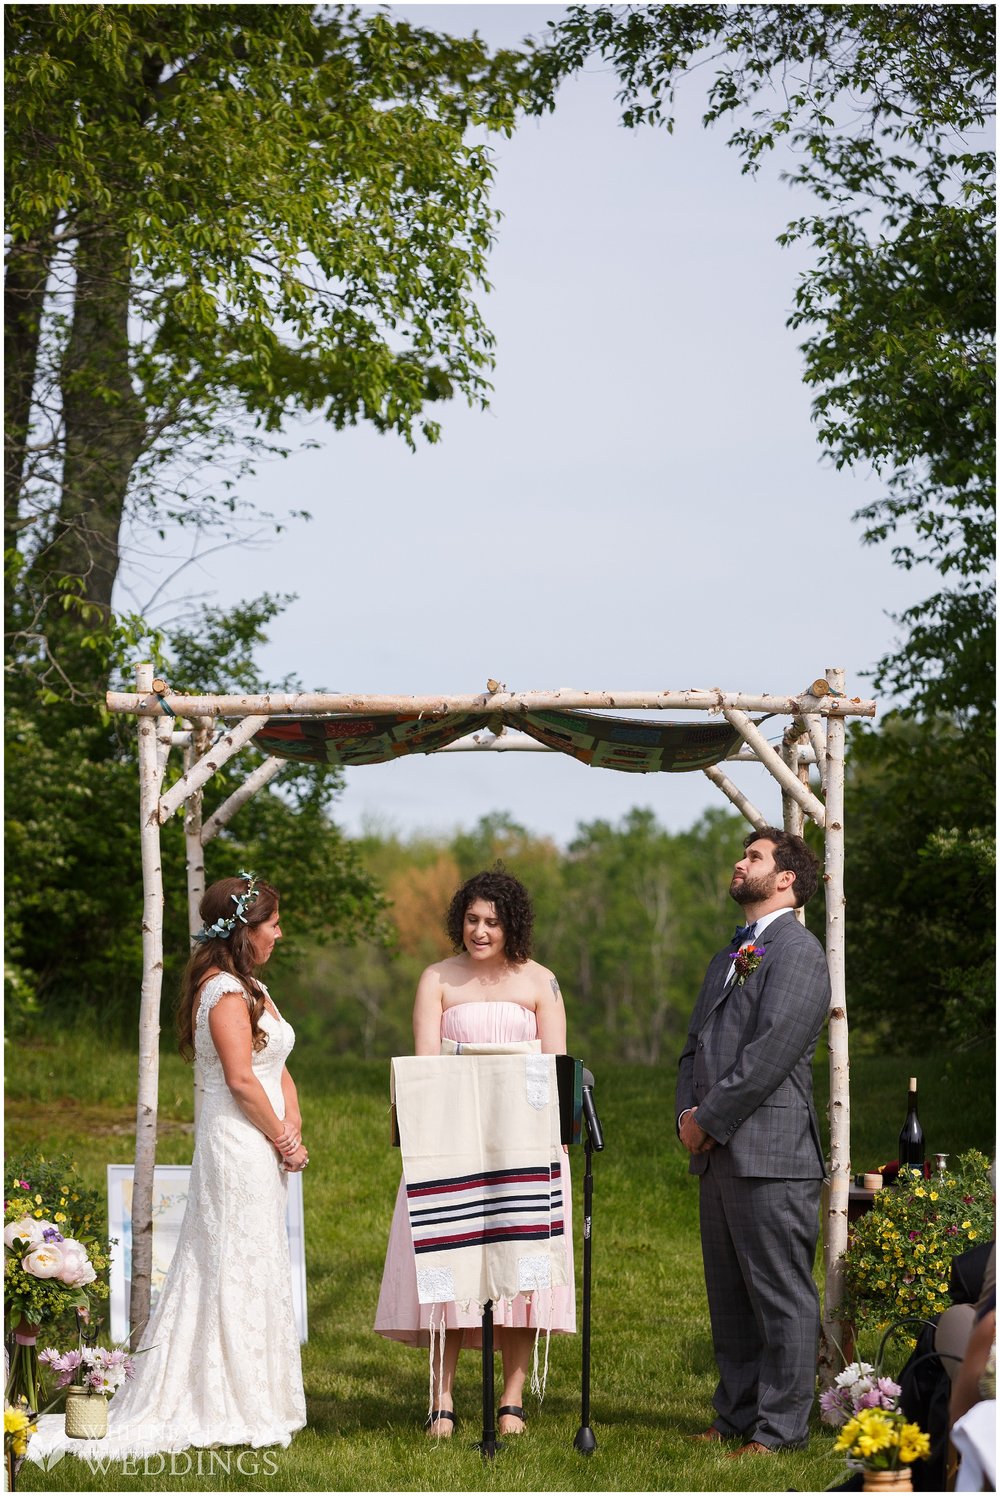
399, 1315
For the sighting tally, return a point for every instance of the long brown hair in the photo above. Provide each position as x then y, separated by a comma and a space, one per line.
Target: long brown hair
232, 953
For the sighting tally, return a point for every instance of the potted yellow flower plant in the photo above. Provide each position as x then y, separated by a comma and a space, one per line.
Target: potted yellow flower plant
884, 1445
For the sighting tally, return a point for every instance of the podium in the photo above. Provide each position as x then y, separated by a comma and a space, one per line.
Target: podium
486, 1216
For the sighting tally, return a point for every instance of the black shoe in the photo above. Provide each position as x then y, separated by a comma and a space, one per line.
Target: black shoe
437, 1415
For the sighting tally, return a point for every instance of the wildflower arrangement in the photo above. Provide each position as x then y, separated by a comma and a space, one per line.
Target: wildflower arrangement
881, 1439
858, 1386
747, 959
93, 1367
898, 1259
45, 1273
60, 1264
52, 1260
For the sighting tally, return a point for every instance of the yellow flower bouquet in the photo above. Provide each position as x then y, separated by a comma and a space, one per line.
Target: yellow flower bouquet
18, 1427
882, 1439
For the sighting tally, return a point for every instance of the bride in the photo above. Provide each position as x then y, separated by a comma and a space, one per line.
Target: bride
220, 1357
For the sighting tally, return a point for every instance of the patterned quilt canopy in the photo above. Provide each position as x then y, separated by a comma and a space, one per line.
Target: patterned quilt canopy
600, 741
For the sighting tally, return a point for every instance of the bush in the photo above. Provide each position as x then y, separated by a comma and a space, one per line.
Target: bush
899, 1256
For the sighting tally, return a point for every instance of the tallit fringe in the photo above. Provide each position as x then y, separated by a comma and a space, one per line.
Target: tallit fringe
440, 1332
538, 1383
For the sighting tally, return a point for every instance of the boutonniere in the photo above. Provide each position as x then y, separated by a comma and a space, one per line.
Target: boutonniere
747, 959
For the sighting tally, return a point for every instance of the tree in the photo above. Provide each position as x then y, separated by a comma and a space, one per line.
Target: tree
74, 906
218, 216
646, 909
921, 887
884, 109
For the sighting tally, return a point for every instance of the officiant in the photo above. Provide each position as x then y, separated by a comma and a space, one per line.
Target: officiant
489, 992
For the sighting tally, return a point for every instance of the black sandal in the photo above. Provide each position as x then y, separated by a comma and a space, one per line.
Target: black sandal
510, 1411
436, 1414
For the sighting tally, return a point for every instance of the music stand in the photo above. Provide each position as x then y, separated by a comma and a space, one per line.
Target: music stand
572, 1082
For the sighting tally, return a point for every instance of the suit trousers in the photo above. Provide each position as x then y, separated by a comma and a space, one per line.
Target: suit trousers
758, 1240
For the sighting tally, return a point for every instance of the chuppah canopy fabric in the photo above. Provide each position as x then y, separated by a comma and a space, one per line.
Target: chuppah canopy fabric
601, 742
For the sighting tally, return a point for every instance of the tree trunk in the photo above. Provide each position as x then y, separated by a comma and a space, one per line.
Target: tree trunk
24, 300
103, 415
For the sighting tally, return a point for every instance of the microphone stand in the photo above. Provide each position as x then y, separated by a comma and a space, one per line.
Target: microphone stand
585, 1441
488, 1446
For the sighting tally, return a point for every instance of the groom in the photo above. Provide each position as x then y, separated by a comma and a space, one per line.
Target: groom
745, 1114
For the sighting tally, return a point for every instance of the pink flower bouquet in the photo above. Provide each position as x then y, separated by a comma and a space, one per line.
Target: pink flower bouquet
857, 1387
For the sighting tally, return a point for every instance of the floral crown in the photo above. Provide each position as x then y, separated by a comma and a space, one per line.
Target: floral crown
223, 928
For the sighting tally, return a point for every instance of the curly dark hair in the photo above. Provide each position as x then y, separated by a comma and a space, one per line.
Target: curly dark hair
790, 855
231, 953
512, 903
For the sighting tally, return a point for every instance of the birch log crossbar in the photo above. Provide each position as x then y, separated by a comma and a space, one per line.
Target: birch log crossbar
305, 704
814, 733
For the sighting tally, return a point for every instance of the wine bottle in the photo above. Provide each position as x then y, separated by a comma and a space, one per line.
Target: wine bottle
911, 1138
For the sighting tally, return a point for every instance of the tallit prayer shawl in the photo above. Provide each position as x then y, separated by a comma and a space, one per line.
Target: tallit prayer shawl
480, 1141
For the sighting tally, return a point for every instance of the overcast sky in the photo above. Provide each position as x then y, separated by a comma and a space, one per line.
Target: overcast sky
644, 505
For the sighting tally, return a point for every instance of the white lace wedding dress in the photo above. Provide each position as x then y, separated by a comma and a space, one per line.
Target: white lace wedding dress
220, 1356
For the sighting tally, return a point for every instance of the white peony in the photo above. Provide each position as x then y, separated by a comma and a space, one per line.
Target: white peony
45, 1261
76, 1267
27, 1229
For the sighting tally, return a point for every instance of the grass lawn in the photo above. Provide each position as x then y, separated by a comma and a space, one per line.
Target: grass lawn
652, 1369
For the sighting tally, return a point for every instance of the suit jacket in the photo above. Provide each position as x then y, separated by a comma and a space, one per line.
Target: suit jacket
973, 1273
747, 1063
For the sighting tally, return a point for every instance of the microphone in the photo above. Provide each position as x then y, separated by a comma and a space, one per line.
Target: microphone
590, 1112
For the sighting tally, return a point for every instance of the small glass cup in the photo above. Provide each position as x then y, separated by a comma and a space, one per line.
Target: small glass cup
941, 1159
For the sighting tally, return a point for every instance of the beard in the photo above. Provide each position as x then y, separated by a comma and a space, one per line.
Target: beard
751, 890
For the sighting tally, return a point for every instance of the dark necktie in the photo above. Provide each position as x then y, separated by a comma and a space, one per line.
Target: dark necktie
743, 933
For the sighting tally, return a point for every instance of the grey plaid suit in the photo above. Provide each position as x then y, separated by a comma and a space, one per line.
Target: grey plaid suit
747, 1067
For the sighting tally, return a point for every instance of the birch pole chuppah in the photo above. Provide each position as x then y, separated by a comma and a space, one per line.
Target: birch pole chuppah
154, 746
823, 701
835, 1224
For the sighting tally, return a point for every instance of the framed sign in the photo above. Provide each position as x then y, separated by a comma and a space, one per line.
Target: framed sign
170, 1192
